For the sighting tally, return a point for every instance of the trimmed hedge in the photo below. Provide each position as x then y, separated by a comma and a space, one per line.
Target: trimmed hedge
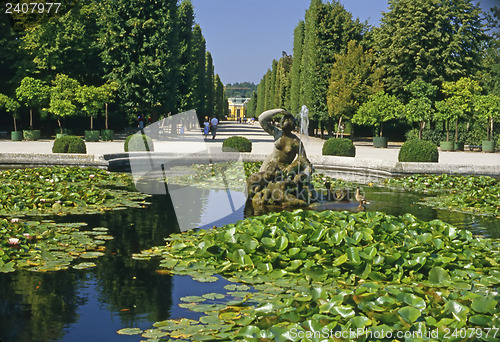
240, 144
69, 144
419, 151
138, 143
339, 147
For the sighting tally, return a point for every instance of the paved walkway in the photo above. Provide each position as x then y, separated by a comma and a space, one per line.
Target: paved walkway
261, 144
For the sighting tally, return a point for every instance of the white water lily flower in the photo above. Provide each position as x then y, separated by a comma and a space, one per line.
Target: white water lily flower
14, 241
14, 220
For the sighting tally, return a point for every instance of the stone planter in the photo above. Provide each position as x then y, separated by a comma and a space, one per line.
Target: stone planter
16, 135
489, 146
107, 134
31, 134
92, 135
380, 142
458, 146
447, 145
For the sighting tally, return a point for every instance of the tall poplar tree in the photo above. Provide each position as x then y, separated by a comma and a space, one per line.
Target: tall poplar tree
186, 20
209, 85
296, 90
261, 96
219, 107
199, 71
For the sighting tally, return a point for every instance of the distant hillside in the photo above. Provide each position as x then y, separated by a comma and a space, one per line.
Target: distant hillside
244, 89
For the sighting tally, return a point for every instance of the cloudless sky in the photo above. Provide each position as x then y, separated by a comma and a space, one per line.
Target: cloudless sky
244, 36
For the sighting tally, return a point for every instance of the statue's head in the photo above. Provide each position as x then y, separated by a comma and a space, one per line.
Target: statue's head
288, 122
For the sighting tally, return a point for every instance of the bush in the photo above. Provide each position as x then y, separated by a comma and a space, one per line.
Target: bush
418, 151
69, 144
240, 144
138, 143
339, 147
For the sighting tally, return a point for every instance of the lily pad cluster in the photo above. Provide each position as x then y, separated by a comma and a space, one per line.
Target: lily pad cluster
337, 271
471, 194
48, 246
65, 190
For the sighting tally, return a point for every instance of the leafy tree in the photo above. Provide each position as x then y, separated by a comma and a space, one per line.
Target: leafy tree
435, 41
283, 79
487, 108
380, 107
186, 21
459, 102
240, 89
63, 98
261, 96
199, 64
328, 29
296, 91
66, 44
10, 106
93, 99
491, 73
32, 93
140, 43
271, 86
252, 105
209, 88
420, 107
354, 77
219, 108
9, 53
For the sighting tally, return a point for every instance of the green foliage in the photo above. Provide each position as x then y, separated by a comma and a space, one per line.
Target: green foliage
240, 144
198, 60
418, 151
470, 194
353, 78
434, 41
138, 143
487, 109
379, 108
32, 93
69, 144
332, 266
210, 85
339, 147
296, 91
10, 106
240, 89
433, 135
63, 100
219, 100
420, 106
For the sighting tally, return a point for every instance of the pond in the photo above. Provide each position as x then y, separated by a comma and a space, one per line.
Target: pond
87, 305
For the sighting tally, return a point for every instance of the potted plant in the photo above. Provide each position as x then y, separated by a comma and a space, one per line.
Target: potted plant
379, 108
63, 99
11, 106
32, 93
487, 109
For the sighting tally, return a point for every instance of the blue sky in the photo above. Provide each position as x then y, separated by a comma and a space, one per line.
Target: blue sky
244, 36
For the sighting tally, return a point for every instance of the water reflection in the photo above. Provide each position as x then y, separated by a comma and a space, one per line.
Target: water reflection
122, 292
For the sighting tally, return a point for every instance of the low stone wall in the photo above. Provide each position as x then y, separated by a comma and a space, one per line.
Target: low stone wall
26, 160
361, 170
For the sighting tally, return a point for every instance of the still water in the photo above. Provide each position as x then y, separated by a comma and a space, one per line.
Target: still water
91, 305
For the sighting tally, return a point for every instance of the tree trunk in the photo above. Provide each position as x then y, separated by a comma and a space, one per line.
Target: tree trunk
420, 129
381, 127
60, 126
456, 131
92, 122
106, 119
15, 123
338, 127
447, 130
31, 118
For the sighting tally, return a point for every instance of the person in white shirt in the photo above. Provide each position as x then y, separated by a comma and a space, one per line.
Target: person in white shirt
213, 126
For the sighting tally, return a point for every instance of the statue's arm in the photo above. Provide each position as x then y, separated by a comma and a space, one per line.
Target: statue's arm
265, 118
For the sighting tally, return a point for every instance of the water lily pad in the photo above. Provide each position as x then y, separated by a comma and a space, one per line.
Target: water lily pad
129, 331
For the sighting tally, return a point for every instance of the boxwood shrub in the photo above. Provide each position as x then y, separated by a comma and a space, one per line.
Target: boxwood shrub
339, 147
69, 144
138, 143
240, 144
419, 151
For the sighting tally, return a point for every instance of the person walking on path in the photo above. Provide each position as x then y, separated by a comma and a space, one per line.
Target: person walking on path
206, 127
213, 126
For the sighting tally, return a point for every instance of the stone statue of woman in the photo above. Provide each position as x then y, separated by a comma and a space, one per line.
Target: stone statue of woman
284, 177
